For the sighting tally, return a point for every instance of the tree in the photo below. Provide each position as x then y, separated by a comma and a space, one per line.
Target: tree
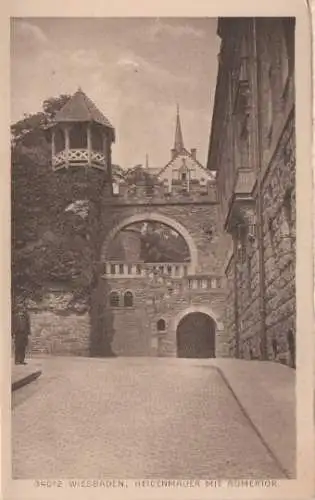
138, 175
40, 251
30, 130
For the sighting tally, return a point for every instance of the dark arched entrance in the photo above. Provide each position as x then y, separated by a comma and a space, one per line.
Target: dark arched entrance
195, 336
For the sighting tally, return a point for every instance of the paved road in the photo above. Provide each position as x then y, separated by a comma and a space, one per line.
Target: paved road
131, 418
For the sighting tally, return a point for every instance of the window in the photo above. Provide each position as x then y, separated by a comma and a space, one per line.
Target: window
184, 176
128, 299
112, 269
149, 189
161, 325
114, 299
115, 188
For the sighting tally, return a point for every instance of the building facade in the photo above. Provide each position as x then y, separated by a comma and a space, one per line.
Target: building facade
252, 148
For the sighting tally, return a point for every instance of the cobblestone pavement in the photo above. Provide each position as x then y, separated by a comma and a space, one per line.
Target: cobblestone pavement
133, 418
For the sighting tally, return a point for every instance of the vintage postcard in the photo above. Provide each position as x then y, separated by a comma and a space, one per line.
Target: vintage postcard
157, 271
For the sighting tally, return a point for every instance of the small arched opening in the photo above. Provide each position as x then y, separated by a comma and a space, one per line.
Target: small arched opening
114, 299
161, 325
128, 299
195, 336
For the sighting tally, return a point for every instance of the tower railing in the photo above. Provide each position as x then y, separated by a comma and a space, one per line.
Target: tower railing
78, 157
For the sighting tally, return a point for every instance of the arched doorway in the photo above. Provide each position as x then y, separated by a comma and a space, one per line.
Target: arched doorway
195, 336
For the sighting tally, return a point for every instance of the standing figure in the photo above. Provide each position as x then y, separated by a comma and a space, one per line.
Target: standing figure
291, 344
21, 331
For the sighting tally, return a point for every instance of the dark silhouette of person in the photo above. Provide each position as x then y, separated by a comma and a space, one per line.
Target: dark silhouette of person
291, 344
21, 332
275, 348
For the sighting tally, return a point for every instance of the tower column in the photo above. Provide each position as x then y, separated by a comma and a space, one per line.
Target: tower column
67, 144
105, 148
89, 143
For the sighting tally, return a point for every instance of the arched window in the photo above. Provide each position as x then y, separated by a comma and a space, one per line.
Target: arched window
114, 299
128, 299
161, 325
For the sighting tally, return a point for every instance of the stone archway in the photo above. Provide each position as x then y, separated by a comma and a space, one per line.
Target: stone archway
195, 336
154, 216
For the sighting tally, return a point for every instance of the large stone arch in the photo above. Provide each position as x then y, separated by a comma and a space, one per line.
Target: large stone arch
195, 308
219, 327
154, 216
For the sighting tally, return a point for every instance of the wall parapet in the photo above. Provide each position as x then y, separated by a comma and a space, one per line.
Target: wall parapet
160, 194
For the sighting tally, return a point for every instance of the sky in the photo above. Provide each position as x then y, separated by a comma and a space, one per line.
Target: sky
136, 70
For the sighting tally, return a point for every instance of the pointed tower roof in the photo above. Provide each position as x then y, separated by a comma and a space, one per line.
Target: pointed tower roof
81, 108
178, 143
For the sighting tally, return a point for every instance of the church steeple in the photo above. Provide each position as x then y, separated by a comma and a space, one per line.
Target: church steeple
178, 143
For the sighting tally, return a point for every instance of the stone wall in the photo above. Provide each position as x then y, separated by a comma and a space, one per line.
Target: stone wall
279, 245
134, 329
58, 326
278, 250
60, 335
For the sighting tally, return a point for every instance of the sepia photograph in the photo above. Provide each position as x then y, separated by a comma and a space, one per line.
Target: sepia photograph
153, 251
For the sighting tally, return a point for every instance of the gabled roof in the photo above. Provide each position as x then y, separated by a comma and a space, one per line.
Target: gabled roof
80, 108
186, 153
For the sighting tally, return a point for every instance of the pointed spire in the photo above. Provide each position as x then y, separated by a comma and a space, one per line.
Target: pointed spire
179, 143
